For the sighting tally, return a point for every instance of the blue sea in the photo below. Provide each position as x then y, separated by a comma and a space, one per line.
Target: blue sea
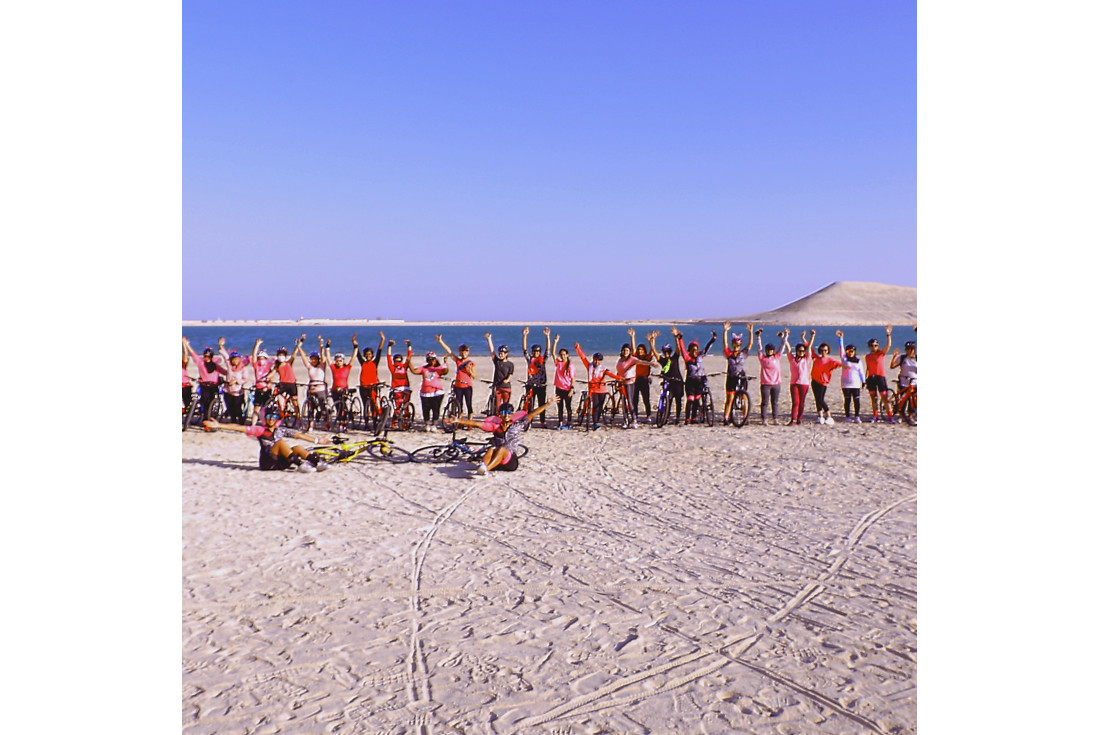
606, 338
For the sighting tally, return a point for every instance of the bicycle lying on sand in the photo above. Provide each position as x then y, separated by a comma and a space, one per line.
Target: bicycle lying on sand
456, 451
343, 450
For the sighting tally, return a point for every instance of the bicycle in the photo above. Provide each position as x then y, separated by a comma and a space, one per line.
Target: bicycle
617, 401
706, 408
191, 411
286, 410
404, 412
378, 410
457, 450
742, 402
664, 402
318, 406
343, 450
527, 402
491, 403
905, 402
346, 406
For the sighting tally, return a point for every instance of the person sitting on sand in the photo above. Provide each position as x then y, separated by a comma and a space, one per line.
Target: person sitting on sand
276, 451
506, 428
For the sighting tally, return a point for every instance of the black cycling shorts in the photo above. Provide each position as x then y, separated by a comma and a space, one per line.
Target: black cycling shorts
876, 383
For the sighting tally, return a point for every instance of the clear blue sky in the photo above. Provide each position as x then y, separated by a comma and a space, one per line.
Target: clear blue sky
545, 160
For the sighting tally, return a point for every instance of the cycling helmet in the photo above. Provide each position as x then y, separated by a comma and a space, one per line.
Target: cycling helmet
429, 355
314, 354
597, 356
281, 351
911, 344
463, 347
666, 348
339, 356
262, 354
233, 354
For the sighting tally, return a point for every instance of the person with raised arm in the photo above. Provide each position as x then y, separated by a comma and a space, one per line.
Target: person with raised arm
852, 378
186, 379
369, 360
875, 360
735, 364
506, 427
284, 366
316, 386
820, 375
646, 362
276, 451
597, 385
536, 369
627, 366
465, 375
670, 371
771, 377
801, 366
399, 374
210, 373
502, 372
262, 369
696, 376
564, 375
235, 381
339, 367
431, 388
907, 374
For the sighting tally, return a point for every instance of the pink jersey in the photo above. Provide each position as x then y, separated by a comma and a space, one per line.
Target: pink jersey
800, 369
286, 373
186, 377
625, 367
771, 371
235, 377
564, 372
262, 370
462, 376
431, 383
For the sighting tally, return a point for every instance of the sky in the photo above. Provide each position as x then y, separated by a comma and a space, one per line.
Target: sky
543, 161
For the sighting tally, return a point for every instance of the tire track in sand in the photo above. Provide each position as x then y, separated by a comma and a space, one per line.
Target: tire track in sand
589, 703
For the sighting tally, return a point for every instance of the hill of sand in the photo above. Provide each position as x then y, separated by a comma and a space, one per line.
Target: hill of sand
844, 303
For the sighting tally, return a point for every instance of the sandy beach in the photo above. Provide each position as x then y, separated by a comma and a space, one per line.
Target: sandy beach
675, 580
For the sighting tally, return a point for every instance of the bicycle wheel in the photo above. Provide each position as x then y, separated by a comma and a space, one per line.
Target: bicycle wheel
583, 417
389, 452
403, 420
909, 409
521, 451
708, 407
491, 402
437, 453
742, 407
291, 416
381, 421
353, 410
663, 406
612, 407
453, 409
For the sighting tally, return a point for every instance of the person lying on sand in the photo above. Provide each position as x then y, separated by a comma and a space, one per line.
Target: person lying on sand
276, 451
506, 428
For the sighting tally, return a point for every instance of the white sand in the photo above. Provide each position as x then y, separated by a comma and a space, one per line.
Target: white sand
684, 579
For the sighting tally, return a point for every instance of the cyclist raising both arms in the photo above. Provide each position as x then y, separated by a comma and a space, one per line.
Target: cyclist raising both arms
735, 365
536, 369
465, 374
801, 366
209, 376
431, 388
670, 371
235, 381
851, 378
696, 373
597, 385
820, 374
399, 374
564, 374
288, 381
276, 451
368, 373
876, 377
502, 372
771, 377
907, 375
262, 369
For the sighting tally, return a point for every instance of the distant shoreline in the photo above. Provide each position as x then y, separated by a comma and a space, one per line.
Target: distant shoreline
403, 323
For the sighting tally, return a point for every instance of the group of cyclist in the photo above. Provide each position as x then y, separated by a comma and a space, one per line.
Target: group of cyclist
809, 370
